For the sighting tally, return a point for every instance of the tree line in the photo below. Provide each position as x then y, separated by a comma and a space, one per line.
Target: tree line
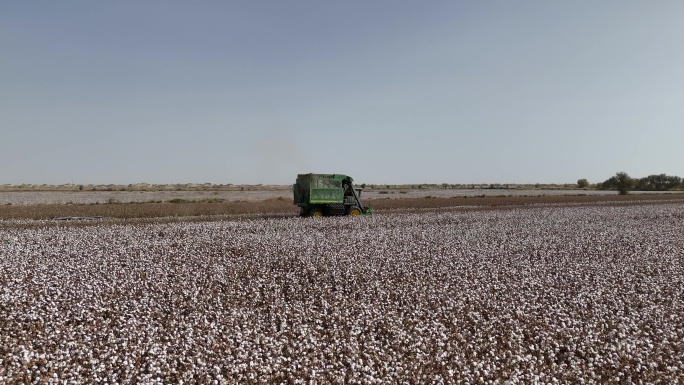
622, 182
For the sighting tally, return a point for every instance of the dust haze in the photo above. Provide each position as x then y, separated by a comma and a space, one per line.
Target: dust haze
279, 156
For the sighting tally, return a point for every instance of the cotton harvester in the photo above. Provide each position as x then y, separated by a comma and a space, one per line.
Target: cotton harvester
327, 194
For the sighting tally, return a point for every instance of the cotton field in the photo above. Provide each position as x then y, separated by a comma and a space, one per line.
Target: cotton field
517, 296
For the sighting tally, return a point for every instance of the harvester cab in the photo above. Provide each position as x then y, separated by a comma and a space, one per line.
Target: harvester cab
328, 194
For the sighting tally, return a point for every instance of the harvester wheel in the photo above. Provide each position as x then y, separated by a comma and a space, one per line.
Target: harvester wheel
316, 213
354, 211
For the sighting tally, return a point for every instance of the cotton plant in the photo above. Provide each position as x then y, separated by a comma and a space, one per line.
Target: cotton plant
533, 295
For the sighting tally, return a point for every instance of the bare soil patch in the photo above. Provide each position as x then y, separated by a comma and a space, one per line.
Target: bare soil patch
504, 201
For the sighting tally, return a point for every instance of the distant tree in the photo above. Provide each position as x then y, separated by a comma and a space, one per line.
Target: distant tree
582, 183
620, 181
660, 182
625, 183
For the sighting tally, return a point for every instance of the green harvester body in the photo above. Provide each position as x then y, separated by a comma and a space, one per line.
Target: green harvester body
328, 194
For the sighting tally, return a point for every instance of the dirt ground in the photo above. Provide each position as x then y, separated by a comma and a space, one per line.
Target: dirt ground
284, 207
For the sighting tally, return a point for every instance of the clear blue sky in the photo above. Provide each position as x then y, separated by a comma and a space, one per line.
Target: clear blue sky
385, 91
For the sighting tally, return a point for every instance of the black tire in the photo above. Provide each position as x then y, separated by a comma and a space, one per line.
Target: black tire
316, 212
354, 211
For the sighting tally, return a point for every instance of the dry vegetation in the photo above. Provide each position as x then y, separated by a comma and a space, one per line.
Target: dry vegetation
536, 295
150, 209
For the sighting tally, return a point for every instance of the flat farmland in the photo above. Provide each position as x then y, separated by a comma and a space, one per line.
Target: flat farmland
102, 197
213, 205
282, 192
430, 290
